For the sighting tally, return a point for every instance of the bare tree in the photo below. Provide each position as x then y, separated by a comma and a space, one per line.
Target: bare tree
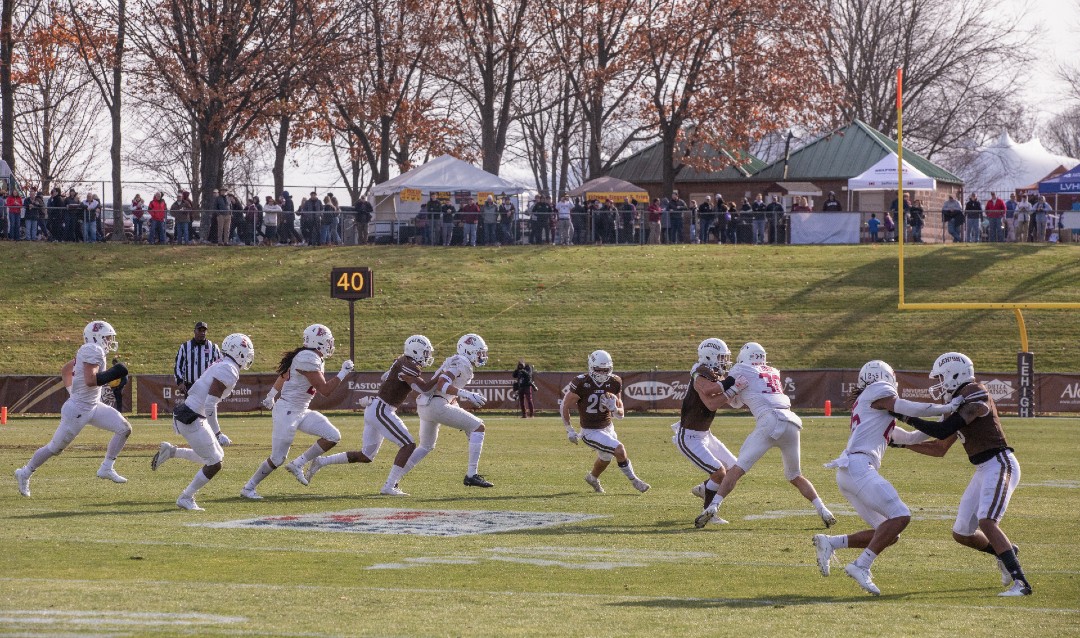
1062, 133
99, 32
15, 18
483, 60
55, 121
720, 73
961, 59
600, 45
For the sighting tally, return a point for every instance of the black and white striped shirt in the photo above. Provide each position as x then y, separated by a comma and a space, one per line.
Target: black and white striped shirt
193, 359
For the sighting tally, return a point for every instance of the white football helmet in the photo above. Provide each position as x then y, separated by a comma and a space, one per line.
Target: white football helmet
318, 337
876, 370
473, 348
951, 370
239, 348
714, 354
101, 333
752, 353
600, 366
418, 348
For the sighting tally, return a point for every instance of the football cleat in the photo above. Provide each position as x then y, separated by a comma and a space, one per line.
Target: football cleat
863, 577
827, 517
640, 485
716, 520
477, 480
1006, 577
1019, 588
249, 492
705, 516
825, 553
595, 482
315, 466
298, 472
393, 491
188, 503
110, 474
164, 453
22, 478
699, 490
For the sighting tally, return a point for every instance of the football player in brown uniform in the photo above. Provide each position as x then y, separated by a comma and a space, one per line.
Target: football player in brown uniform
692, 432
598, 397
977, 425
381, 420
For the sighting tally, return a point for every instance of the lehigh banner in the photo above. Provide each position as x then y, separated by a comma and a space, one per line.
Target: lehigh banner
642, 391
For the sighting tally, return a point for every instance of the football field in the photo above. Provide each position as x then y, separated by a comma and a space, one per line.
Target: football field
540, 554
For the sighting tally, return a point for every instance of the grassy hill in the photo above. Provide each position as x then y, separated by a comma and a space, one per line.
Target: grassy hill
649, 306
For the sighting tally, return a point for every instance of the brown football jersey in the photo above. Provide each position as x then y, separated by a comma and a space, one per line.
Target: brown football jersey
591, 415
985, 433
393, 390
695, 416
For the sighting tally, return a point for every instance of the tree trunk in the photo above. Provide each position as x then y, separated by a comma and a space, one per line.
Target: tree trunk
115, 114
7, 89
281, 146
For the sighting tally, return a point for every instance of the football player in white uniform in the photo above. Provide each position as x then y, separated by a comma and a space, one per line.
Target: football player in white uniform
598, 397
873, 428
753, 383
693, 434
381, 420
213, 385
977, 426
442, 405
300, 377
87, 375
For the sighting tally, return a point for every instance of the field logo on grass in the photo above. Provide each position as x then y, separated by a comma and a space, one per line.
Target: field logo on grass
380, 520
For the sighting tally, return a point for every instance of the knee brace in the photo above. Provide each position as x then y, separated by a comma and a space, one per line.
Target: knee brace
210, 470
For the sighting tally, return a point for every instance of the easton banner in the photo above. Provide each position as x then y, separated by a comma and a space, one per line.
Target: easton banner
642, 391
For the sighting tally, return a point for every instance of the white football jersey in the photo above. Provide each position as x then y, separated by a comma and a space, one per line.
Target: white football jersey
81, 393
296, 391
870, 427
765, 390
223, 370
459, 368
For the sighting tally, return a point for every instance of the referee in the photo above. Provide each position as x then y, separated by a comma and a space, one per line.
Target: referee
192, 359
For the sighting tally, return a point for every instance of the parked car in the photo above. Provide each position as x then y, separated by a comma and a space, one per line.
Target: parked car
129, 223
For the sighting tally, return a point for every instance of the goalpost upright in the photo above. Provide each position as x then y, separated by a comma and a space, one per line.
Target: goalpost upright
1025, 360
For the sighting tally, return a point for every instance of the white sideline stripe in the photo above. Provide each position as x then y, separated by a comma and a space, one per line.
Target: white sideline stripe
761, 602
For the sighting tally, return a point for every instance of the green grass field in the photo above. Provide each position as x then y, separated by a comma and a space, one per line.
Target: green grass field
810, 306
86, 556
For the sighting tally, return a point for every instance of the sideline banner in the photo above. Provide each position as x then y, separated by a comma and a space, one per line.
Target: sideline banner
642, 391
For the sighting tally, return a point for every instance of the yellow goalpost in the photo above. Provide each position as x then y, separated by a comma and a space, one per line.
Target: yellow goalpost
1025, 358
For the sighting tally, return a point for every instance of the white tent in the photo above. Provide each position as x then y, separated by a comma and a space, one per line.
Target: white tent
1006, 165
447, 174
882, 176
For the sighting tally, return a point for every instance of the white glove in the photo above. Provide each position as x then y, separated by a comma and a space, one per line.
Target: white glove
609, 403
366, 400
741, 384
268, 402
571, 434
223, 440
346, 368
474, 398
955, 404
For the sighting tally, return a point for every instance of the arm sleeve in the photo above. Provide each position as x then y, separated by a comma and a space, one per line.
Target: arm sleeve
210, 405
915, 408
727, 382
938, 430
900, 436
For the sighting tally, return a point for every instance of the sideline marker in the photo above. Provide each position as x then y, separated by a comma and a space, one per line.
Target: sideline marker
3, 415
153, 412
828, 407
